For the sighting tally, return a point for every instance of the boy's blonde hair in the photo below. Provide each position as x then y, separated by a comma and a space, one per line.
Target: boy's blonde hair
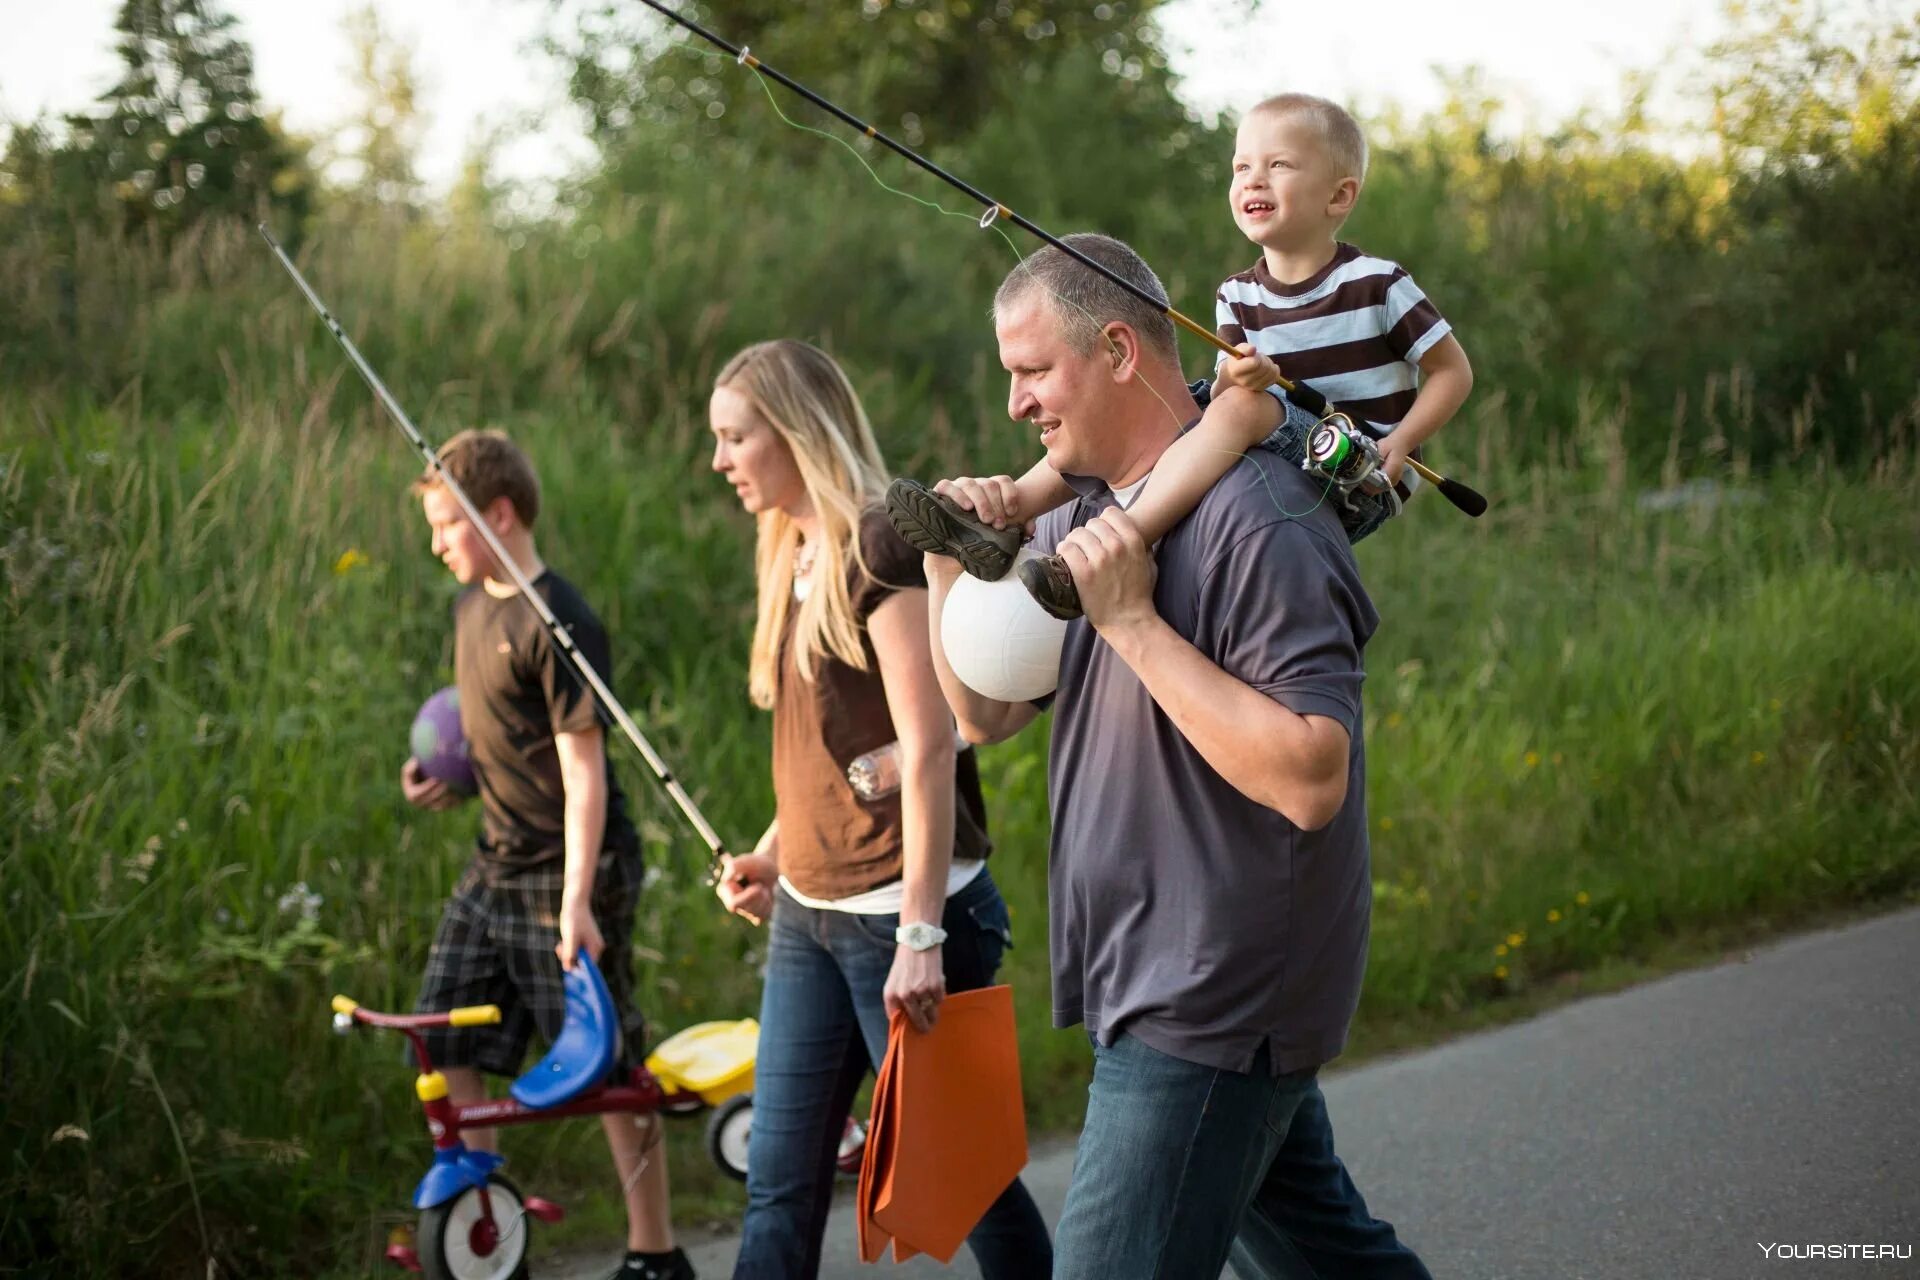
488, 465
806, 398
1339, 132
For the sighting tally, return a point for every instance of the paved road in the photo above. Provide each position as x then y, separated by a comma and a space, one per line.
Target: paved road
1663, 1133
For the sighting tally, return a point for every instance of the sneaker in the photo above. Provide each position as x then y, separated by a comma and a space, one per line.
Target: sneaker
936, 525
654, 1266
1049, 581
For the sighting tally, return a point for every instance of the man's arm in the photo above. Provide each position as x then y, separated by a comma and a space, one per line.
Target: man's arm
980, 719
583, 777
1292, 763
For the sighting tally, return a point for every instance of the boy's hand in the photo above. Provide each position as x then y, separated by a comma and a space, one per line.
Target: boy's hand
579, 931
1393, 459
423, 792
746, 885
1252, 370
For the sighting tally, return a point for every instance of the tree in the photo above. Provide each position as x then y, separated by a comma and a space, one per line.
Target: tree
918, 69
386, 129
180, 136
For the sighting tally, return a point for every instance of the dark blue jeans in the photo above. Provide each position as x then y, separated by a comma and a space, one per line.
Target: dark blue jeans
823, 1026
1180, 1166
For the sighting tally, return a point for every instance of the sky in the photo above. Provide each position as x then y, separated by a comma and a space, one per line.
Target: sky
477, 71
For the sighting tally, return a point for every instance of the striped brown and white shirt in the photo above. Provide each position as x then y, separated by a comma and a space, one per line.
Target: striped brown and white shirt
1354, 331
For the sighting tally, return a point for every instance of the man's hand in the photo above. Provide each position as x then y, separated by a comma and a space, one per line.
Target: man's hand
994, 499
1251, 370
423, 792
746, 885
916, 985
579, 931
1113, 570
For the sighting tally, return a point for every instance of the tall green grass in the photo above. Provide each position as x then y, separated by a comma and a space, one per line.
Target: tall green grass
1594, 723
1591, 726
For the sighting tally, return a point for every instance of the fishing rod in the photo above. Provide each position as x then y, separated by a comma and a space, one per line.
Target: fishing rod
559, 631
1460, 495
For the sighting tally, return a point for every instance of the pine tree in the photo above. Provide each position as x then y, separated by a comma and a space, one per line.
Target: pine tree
181, 137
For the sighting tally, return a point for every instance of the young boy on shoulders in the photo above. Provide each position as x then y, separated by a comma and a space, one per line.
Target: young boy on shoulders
556, 867
1354, 327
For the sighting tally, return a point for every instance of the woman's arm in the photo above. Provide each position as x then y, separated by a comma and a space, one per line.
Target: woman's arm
924, 728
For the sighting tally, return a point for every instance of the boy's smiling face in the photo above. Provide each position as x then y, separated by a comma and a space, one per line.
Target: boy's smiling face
1286, 193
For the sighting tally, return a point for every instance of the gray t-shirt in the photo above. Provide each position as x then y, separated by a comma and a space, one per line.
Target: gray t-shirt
1179, 910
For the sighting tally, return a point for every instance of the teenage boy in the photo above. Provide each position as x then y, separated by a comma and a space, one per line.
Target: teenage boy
556, 868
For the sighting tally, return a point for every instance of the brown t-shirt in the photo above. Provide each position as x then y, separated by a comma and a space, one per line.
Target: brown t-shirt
517, 690
833, 844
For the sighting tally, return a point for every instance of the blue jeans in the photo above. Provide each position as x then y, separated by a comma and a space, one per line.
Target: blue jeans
1181, 1166
823, 1026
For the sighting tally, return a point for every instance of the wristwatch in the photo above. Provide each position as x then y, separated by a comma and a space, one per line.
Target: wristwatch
920, 935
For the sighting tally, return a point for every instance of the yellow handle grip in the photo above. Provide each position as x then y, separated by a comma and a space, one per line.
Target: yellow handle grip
477, 1015
344, 1004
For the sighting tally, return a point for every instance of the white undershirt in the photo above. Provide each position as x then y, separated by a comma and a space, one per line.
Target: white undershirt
1126, 496
890, 897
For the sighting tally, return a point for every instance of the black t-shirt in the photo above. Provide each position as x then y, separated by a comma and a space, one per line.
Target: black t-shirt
517, 690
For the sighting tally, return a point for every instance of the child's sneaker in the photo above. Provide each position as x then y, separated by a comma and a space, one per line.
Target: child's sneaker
936, 525
1049, 581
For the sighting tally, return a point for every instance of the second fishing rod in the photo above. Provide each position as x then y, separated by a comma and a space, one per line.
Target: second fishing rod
1460, 495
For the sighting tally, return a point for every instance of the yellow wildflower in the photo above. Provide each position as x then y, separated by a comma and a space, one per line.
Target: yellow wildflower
1500, 972
349, 560
1386, 824
1515, 939
1553, 917
1758, 757
1533, 759
1500, 950
1582, 898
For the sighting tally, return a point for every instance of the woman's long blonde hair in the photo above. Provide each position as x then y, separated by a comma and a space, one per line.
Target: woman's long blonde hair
805, 397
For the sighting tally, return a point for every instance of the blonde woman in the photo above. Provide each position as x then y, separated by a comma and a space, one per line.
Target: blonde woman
878, 895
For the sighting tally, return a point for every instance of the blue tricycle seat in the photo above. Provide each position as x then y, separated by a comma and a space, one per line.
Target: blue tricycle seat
583, 1052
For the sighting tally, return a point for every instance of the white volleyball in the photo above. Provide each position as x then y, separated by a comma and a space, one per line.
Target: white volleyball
998, 639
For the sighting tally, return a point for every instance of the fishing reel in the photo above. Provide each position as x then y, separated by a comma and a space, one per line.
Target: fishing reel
1340, 451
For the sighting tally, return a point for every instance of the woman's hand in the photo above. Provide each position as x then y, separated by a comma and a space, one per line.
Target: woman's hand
916, 985
746, 885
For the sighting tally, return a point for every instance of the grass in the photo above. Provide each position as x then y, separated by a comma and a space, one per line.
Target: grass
1595, 729
1600, 729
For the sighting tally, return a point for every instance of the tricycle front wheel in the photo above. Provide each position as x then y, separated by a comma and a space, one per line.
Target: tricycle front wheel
465, 1239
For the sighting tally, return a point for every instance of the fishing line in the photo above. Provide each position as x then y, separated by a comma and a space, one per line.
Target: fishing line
990, 221
1460, 495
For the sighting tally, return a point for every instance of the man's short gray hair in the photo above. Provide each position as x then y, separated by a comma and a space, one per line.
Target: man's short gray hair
1086, 302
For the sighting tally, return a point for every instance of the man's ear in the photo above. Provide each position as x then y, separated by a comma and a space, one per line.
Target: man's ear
1123, 350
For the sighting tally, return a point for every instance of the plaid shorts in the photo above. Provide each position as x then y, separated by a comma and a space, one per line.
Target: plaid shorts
495, 945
